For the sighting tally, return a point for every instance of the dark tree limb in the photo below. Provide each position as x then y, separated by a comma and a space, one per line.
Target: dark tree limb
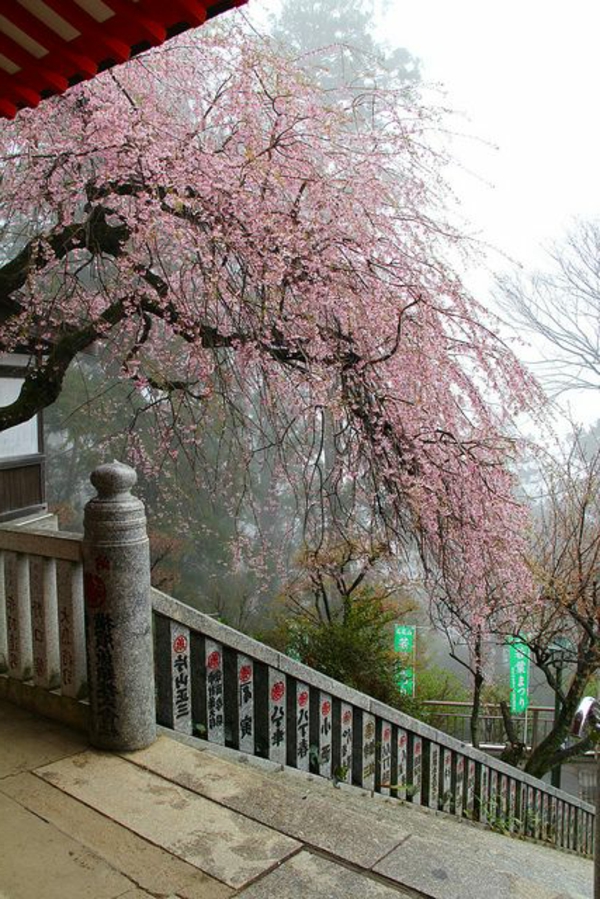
94, 234
42, 385
514, 751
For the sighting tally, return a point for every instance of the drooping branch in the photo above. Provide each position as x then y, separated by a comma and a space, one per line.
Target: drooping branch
94, 234
42, 385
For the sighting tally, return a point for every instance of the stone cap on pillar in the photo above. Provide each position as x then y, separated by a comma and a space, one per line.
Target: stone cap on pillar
115, 513
113, 480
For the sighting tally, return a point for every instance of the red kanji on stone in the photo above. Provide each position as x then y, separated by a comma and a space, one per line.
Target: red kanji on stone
303, 698
214, 660
347, 717
277, 691
245, 674
180, 644
95, 590
102, 563
387, 733
325, 708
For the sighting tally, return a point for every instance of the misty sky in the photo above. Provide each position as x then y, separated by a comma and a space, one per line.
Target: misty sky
527, 75
528, 78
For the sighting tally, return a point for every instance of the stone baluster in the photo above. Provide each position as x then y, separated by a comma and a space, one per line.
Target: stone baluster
118, 613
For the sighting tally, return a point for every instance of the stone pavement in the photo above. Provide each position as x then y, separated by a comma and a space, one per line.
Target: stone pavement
182, 819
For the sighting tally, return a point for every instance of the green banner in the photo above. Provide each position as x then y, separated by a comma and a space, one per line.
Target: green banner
406, 681
404, 644
519, 676
404, 638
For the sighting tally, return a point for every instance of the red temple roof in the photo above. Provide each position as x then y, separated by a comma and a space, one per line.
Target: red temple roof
47, 46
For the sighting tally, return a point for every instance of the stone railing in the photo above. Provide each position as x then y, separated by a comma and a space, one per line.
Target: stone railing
57, 649
212, 682
42, 634
219, 685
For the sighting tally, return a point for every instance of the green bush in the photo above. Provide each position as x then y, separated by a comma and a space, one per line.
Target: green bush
435, 683
356, 647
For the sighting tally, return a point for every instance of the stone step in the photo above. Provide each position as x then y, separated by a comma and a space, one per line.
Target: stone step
407, 847
86, 833
220, 842
38, 860
308, 876
198, 821
260, 860
283, 803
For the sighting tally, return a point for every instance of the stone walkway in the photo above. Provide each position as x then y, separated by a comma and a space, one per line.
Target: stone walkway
187, 821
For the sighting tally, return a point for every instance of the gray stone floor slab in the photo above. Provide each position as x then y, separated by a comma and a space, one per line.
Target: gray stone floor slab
29, 740
140, 894
284, 804
307, 876
147, 866
37, 860
225, 752
519, 868
523, 861
457, 871
153, 823
214, 839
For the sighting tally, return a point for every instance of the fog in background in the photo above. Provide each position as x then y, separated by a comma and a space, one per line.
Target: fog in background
522, 81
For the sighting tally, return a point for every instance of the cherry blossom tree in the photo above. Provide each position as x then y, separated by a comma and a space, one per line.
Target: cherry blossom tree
474, 628
251, 250
562, 628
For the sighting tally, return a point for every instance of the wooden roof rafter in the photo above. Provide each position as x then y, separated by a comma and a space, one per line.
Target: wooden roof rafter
46, 46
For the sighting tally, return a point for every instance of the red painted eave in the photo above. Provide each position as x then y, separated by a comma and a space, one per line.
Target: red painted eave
47, 46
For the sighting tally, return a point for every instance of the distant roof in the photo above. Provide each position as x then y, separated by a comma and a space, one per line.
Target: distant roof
47, 46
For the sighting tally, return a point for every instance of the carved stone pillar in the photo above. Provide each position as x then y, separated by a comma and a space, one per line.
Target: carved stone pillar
118, 613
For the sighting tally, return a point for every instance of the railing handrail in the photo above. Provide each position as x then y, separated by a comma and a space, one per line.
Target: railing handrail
484, 705
185, 615
61, 545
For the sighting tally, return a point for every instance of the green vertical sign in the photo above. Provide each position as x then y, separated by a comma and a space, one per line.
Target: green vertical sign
404, 638
406, 681
519, 676
404, 644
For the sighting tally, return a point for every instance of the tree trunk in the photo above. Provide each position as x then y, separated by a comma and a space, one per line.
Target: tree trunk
477, 688
514, 750
545, 755
476, 708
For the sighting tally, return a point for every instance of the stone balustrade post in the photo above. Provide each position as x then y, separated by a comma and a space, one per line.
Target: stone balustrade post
118, 613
